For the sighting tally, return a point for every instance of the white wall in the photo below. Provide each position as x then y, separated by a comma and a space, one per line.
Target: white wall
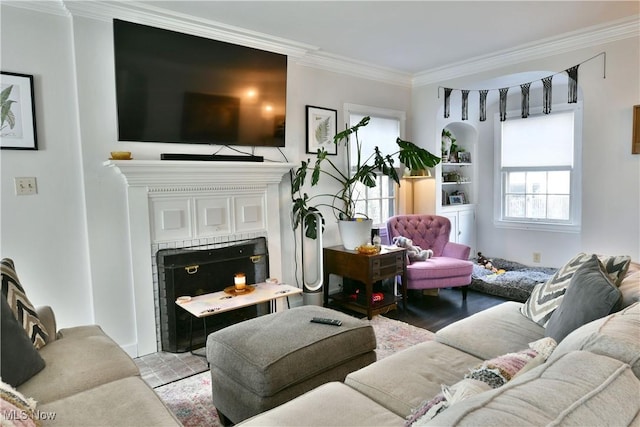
45, 234
81, 209
70, 240
611, 194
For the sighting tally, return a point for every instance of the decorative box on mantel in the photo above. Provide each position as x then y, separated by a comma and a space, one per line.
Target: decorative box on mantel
178, 201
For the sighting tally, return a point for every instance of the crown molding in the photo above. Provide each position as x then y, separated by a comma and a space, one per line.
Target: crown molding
141, 13
53, 7
587, 37
340, 64
311, 56
300, 53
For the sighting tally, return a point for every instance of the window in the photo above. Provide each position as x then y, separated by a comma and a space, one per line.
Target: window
538, 173
385, 126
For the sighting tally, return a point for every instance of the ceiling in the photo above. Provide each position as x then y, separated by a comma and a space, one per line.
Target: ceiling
408, 36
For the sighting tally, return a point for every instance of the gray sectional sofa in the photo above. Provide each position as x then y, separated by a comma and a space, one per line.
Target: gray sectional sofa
88, 380
590, 378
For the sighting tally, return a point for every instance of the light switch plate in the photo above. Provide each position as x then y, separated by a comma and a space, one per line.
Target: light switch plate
26, 185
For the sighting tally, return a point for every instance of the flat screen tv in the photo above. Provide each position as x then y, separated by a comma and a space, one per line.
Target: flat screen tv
179, 88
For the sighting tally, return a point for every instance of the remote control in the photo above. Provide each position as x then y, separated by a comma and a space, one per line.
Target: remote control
334, 322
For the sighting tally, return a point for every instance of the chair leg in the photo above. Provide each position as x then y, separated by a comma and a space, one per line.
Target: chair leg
464, 293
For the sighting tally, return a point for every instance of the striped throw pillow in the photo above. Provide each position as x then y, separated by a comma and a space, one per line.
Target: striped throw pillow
546, 297
22, 308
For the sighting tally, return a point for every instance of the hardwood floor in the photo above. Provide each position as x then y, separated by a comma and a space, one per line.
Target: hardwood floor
436, 312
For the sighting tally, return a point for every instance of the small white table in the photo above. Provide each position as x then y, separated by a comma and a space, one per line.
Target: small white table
219, 302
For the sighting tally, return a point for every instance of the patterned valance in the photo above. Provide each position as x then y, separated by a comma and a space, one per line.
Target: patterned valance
572, 73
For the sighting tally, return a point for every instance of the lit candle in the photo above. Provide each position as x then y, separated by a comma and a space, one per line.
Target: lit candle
240, 282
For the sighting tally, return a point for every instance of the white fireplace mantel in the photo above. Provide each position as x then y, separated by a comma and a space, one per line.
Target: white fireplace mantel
144, 178
173, 172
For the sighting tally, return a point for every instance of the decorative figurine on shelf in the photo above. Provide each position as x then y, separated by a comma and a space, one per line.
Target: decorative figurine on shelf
415, 253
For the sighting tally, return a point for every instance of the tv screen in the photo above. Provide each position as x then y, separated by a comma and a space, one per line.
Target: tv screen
174, 87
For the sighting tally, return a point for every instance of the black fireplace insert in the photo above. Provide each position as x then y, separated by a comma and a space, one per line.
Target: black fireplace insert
196, 271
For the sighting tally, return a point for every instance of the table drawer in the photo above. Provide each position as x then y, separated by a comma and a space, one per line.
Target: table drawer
387, 266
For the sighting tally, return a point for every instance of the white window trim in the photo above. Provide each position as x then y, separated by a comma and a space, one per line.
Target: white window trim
366, 110
375, 111
575, 225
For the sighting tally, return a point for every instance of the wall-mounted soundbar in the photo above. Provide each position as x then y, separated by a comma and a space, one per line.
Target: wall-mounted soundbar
210, 157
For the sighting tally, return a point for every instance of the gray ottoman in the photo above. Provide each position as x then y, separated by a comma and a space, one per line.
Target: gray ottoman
263, 362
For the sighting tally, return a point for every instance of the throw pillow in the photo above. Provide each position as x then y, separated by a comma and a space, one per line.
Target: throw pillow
19, 359
17, 410
448, 396
546, 297
590, 296
22, 308
489, 374
498, 371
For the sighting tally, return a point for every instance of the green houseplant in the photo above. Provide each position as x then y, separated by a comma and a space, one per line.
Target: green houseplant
367, 168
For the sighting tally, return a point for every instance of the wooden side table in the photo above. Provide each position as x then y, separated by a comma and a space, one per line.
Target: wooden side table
368, 269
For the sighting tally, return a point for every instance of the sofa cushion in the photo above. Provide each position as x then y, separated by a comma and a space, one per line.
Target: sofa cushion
19, 358
22, 308
590, 296
402, 381
85, 357
439, 267
489, 374
615, 336
330, 404
546, 297
606, 394
498, 330
450, 395
124, 402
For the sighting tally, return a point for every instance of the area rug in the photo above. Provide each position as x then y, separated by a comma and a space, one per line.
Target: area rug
516, 283
190, 398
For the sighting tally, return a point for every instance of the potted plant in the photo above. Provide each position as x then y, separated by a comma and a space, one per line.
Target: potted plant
367, 168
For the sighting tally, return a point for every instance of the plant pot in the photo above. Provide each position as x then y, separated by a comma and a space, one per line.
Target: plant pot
355, 233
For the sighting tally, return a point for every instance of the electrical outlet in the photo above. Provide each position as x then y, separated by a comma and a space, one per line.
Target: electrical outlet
536, 257
26, 185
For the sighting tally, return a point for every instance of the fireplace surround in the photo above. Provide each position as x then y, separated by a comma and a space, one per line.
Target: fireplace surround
197, 271
176, 204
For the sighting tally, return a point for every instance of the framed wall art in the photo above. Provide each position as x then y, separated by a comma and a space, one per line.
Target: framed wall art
321, 127
464, 157
18, 118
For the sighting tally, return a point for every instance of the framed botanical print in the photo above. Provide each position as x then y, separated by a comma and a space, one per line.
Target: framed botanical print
18, 115
321, 128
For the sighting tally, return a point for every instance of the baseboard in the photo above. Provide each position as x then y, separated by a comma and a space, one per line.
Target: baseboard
131, 349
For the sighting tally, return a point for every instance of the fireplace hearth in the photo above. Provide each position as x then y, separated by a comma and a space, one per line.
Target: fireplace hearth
196, 271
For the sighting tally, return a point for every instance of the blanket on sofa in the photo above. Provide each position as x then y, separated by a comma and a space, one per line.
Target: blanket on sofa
516, 283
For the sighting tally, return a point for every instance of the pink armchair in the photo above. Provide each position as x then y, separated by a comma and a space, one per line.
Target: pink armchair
449, 266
